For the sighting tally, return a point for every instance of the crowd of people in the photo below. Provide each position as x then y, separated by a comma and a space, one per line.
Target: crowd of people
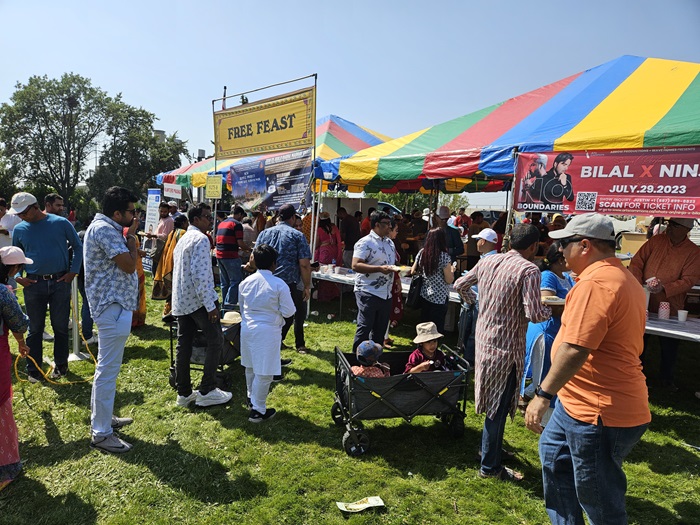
264, 266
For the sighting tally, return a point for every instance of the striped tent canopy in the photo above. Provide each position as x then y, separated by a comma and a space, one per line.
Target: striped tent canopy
335, 137
630, 102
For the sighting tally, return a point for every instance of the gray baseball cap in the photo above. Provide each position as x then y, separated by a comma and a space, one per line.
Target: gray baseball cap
589, 225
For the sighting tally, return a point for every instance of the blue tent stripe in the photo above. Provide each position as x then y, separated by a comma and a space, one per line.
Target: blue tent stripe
355, 130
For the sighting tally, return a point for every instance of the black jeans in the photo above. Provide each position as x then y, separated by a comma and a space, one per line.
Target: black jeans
298, 318
433, 312
372, 318
187, 326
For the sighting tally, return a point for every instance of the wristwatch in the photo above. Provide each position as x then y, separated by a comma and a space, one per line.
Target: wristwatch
541, 393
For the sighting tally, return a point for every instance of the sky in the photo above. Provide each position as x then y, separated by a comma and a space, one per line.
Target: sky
393, 66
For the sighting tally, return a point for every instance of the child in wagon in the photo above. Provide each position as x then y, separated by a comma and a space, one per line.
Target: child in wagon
368, 353
427, 357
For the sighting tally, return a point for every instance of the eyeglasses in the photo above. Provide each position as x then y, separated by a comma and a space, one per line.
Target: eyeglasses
208, 217
674, 224
565, 242
130, 210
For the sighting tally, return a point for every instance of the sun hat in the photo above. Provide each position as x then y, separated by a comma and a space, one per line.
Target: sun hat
591, 225
368, 352
686, 223
427, 332
488, 235
231, 317
21, 201
443, 212
10, 255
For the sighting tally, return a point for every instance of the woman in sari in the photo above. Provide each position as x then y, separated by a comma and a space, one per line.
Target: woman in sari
12, 319
329, 250
163, 279
396, 291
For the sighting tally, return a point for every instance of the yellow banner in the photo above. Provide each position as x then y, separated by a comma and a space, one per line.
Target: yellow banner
281, 123
213, 188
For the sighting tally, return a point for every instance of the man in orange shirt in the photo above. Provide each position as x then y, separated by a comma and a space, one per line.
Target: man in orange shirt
603, 407
674, 260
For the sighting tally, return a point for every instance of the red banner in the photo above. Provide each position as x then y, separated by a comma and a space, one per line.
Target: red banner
631, 182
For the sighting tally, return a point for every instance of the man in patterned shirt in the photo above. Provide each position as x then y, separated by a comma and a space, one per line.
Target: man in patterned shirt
196, 306
509, 296
372, 259
112, 287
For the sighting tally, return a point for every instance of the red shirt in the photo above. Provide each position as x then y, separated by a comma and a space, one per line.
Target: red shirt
229, 232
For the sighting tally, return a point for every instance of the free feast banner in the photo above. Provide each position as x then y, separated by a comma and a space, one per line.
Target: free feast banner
627, 182
268, 183
281, 123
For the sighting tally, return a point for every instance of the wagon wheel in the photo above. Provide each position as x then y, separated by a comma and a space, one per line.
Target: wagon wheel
171, 379
456, 426
337, 414
357, 445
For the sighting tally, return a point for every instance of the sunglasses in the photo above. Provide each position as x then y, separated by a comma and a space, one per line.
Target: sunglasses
565, 242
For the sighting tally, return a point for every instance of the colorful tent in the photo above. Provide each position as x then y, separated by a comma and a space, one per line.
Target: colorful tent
630, 102
335, 137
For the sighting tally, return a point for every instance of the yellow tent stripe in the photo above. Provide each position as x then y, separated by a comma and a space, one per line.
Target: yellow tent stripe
635, 106
385, 138
362, 167
325, 152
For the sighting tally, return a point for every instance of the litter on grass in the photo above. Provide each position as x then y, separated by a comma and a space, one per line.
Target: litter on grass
359, 506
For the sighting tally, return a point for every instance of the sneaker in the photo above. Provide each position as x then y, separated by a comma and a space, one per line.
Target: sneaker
120, 422
277, 379
59, 372
248, 404
185, 401
111, 444
215, 397
285, 362
47, 336
257, 417
92, 340
35, 377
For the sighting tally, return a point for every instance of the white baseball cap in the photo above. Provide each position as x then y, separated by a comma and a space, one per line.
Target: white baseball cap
591, 225
488, 235
21, 201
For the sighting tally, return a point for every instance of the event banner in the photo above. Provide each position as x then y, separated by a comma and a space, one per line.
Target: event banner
268, 183
281, 123
627, 182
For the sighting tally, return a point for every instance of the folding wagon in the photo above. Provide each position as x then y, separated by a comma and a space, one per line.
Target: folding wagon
440, 393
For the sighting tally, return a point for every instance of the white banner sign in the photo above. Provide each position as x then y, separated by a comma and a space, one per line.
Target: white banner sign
173, 191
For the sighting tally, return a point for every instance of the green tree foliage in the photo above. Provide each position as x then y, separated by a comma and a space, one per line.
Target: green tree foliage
133, 154
418, 201
50, 127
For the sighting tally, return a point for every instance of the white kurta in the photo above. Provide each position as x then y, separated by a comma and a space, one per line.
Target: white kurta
265, 302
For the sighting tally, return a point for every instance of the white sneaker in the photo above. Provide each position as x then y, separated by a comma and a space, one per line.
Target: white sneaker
215, 397
47, 336
92, 340
185, 401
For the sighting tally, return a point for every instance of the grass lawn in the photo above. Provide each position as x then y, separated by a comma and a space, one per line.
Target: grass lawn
212, 466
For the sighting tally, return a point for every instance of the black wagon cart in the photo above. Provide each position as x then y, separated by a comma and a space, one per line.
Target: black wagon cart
440, 393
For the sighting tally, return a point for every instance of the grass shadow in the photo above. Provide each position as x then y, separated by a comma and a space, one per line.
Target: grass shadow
202, 478
44, 508
152, 353
647, 512
665, 459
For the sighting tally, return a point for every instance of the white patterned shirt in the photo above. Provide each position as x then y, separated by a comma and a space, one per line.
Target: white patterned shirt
105, 282
375, 250
193, 278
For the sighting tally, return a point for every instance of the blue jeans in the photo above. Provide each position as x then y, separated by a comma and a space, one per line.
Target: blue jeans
492, 435
114, 325
37, 297
582, 469
372, 318
230, 275
85, 317
187, 326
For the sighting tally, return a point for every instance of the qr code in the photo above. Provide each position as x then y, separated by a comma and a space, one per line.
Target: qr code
586, 200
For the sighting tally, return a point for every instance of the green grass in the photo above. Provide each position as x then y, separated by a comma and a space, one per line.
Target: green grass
213, 466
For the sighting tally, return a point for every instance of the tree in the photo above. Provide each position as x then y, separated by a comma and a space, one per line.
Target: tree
49, 129
133, 155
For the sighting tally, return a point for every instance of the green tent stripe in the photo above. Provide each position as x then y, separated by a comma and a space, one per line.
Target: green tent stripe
681, 125
335, 144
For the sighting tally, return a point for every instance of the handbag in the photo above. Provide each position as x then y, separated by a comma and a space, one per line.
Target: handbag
413, 299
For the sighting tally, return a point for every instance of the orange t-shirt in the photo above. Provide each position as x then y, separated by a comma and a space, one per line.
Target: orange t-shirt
605, 312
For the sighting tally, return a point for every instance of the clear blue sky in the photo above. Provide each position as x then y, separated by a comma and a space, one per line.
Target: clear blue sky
393, 66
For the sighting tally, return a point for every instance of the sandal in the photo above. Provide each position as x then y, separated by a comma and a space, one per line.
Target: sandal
388, 344
505, 474
303, 350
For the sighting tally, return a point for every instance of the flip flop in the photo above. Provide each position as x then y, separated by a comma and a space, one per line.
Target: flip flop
505, 474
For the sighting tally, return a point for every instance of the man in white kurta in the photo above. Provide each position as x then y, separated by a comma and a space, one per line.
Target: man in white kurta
265, 302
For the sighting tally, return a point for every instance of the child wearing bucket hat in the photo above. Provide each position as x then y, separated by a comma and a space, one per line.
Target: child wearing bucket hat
427, 357
368, 353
